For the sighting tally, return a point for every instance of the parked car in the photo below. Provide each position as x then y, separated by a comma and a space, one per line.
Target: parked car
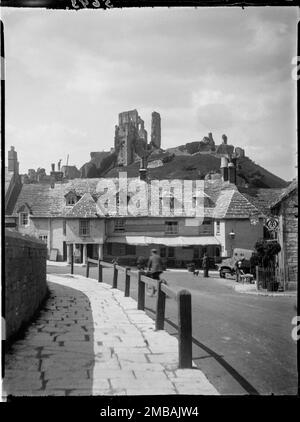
228, 266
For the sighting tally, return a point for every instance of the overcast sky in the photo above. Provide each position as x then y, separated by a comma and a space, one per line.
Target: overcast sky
223, 70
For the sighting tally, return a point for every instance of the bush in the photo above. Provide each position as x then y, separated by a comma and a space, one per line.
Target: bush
265, 253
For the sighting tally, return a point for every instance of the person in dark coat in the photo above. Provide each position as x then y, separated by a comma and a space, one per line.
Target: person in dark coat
205, 265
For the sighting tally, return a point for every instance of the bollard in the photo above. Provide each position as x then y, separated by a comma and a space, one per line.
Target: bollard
115, 278
184, 329
141, 293
127, 282
87, 268
160, 308
72, 259
100, 272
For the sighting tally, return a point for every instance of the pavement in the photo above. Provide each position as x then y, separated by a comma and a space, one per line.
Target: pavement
91, 340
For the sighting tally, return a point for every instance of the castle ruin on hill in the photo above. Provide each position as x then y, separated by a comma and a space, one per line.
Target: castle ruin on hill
131, 137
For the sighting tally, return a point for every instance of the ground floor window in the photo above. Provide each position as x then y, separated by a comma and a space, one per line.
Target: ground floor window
163, 252
43, 238
130, 250
171, 252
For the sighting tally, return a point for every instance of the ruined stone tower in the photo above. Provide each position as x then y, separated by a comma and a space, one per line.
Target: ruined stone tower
130, 135
156, 130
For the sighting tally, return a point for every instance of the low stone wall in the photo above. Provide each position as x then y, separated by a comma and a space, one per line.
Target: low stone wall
25, 279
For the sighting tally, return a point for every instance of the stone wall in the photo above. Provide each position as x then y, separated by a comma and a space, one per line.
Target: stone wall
25, 279
290, 237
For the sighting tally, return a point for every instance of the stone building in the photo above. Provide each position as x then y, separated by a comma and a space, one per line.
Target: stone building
13, 184
286, 209
67, 216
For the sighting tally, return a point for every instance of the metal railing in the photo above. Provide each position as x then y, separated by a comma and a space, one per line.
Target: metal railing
182, 297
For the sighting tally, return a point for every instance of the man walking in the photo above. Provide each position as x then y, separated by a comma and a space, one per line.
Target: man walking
155, 266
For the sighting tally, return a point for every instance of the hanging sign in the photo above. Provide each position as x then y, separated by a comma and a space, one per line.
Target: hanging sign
272, 224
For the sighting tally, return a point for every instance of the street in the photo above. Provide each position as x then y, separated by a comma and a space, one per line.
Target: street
242, 342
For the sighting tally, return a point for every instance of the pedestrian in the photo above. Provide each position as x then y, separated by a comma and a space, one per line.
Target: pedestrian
205, 265
155, 267
238, 269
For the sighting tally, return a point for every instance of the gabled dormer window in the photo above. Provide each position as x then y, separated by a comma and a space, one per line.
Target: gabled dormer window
24, 212
24, 219
71, 198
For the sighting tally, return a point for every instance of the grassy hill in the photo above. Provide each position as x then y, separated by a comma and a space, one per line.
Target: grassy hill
193, 166
186, 166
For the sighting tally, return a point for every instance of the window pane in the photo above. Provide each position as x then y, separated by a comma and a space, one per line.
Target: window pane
84, 228
171, 227
119, 225
171, 252
23, 219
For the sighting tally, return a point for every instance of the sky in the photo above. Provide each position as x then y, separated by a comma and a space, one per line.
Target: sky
219, 70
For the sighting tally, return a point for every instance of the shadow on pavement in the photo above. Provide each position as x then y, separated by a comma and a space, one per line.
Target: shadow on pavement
56, 354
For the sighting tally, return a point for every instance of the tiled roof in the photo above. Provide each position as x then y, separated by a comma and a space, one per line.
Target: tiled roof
286, 192
223, 203
43, 200
240, 207
8, 176
261, 198
224, 198
85, 208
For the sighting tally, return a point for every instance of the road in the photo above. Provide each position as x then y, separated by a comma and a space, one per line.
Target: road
242, 342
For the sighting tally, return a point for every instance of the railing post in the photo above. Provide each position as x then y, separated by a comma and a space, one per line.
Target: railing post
115, 277
127, 282
87, 268
72, 258
100, 273
160, 307
141, 293
184, 328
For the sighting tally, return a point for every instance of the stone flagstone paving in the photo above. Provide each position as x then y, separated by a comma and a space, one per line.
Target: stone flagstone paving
91, 340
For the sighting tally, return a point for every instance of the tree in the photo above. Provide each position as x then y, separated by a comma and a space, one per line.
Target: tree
265, 253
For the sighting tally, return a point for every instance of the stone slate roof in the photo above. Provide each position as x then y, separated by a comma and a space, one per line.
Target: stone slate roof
286, 192
8, 176
240, 207
262, 198
86, 207
225, 201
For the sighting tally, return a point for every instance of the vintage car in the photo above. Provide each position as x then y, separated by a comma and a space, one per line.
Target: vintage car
228, 266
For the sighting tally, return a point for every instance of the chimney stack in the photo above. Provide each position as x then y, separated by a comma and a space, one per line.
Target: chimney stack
232, 173
224, 168
53, 167
13, 164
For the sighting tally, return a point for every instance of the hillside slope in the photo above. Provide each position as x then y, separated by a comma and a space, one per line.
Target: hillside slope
198, 165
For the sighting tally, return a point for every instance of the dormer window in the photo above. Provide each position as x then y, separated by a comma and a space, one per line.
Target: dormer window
71, 198
71, 201
24, 219
24, 212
